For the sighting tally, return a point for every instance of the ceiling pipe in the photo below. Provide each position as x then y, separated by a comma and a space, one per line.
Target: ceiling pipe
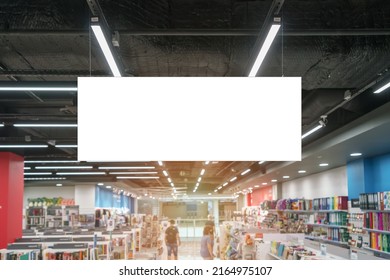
205, 32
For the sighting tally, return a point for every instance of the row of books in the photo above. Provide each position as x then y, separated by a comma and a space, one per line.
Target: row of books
375, 201
337, 218
338, 234
331, 203
380, 241
81, 255
377, 220
19, 256
289, 252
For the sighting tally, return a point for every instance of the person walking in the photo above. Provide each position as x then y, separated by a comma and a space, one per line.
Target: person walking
207, 243
172, 240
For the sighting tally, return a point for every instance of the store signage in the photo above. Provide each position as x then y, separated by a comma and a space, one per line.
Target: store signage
189, 118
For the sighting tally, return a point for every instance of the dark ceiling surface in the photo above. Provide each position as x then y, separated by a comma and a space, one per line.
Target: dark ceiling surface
333, 45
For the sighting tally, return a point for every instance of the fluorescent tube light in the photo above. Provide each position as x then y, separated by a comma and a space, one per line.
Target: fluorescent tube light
323, 164
207, 162
100, 184
264, 49
169, 180
65, 167
160, 163
23, 146
286, 177
233, 179
274, 180
133, 172
172, 185
32, 88
38, 173
97, 30
44, 178
261, 162
224, 184
382, 88
220, 187
264, 184
1, 124
194, 191
66, 146
257, 186
137, 177
311, 131
58, 185
27, 168
202, 172
209, 193
44, 125
355, 154
215, 190
199, 179
197, 184
126, 167
50, 161
245, 172
108, 187
302, 171
165, 173
81, 173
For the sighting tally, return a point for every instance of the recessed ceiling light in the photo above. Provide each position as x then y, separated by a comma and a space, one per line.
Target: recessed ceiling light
233, 179
165, 173
44, 178
108, 187
194, 191
256, 186
202, 172
49, 161
58, 185
172, 185
324, 164
274, 180
132, 172
45, 125
264, 184
302, 171
286, 177
197, 184
355, 154
160, 163
224, 184
245, 172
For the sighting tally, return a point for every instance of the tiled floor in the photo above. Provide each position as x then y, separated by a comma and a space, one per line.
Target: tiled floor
188, 250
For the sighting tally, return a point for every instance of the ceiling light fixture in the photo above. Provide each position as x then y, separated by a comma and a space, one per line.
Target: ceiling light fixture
220, 187
245, 172
172, 185
264, 184
38, 173
382, 88
207, 162
261, 162
274, 180
27, 168
50, 161
324, 164
45, 125
355, 154
257, 186
311, 131
1, 124
225, 184
126, 167
100, 184
286, 177
202, 172
108, 187
81, 173
160, 163
169, 180
165, 173
233, 179
97, 30
44, 178
215, 190
302, 171
58, 185
132, 172
264, 49
66, 146
199, 179
36, 88
137, 177
23, 146
65, 167
197, 185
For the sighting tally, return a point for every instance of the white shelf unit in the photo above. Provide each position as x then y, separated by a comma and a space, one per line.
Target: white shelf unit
70, 216
54, 216
35, 217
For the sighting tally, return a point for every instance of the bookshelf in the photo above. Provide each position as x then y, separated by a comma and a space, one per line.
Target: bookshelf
54, 216
326, 225
35, 217
70, 216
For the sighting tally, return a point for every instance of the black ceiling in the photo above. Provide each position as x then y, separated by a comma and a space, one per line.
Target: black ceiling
333, 45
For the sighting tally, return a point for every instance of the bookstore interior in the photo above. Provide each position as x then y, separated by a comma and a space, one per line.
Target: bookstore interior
334, 204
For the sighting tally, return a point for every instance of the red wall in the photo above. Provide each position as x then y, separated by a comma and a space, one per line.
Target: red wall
259, 195
11, 197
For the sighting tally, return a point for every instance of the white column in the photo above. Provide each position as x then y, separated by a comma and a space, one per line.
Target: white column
84, 196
